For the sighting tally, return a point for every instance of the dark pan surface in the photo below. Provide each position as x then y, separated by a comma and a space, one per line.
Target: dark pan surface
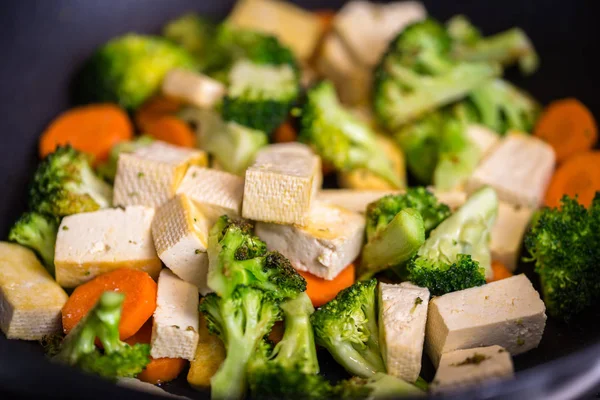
44, 42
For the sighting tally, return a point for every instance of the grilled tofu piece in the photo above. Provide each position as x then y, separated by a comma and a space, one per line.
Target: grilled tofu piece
192, 87
176, 319
507, 234
351, 199
180, 233
150, 175
90, 244
485, 138
30, 300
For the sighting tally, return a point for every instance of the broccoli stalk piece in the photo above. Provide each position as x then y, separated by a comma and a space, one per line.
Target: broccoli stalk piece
118, 359
564, 243
260, 96
108, 169
194, 33
38, 232
418, 75
65, 183
379, 386
456, 255
340, 137
232, 145
347, 328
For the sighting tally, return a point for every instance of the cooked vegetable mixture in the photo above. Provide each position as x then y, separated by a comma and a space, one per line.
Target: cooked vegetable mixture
181, 204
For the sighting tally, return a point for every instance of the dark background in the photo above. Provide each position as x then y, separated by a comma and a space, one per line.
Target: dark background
45, 41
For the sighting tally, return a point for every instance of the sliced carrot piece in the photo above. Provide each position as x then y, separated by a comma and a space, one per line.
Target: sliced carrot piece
500, 272
139, 304
172, 130
156, 107
579, 175
285, 133
321, 290
92, 129
568, 126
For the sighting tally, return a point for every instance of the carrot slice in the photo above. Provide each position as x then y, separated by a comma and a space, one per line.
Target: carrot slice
285, 133
139, 304
326, 19
568, 126
172, 130
92, 129
500, 272
579, 175
321, 290
156, 107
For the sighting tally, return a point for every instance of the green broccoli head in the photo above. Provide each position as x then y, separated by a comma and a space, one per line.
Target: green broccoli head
347, 328
193, 33
340, 137
378, 387
417, 75
108, 169
564, 242
129, 69
117, 359
237, 257
456, 255
241, 320
65, 183
38, 232
260, 96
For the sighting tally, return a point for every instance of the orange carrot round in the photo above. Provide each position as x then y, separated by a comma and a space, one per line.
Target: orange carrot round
154, 108
139, 304
568, 126
579, 175
321, 290
92, 129
500, 271
171, 129
285, 133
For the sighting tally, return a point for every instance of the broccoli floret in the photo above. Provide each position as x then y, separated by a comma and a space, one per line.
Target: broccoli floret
378, 387
65, 183
118, 359
260, 96
417, 75
340, 137
506, 47
232, 145
38, 232
194, 33
347, 328
241, 320
129, 69
456, 255
564, 242
108, 169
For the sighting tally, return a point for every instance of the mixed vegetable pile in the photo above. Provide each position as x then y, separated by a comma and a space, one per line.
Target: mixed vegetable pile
180, 205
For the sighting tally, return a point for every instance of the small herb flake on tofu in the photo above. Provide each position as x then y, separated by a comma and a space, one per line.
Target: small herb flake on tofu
30, 300
462, 368
180, 233
507, 313
330, 241
176, 319
105, 240
150, 175
402, 320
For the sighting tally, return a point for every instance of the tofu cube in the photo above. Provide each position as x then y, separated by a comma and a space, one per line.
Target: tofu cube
462, 368
402, 319
519, 169
453, 198
180, 233
483, 137
281, 184
150, 175
30, 300
507, 313
330, 241
214, 192
176, 319
90, 244
352, 199
192, 87
507, 233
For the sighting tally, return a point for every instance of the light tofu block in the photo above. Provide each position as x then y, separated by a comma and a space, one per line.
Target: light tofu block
30, 300
351, 199
151, 174
507, 313
519, 169
180, 233
215, 192
295, 27
483, 137
453, 198
192, 87
176, 319
367, 28
330, 241
462, 368
402, 319
282, 184
90, 244
507, 234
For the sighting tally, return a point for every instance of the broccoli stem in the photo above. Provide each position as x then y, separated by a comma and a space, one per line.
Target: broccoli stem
230, 381
354, 362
